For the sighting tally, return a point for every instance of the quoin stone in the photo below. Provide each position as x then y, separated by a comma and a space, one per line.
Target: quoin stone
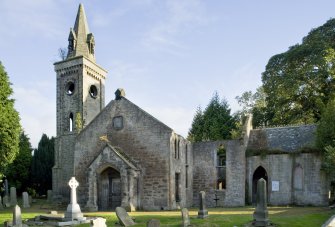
13, 196
73, 211
202, 213
261, 212
25, 200
185, 217
123, 217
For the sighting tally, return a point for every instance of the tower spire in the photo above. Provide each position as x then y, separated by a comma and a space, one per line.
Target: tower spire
81, 41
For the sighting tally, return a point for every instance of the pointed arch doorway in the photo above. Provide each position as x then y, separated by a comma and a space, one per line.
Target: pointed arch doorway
109, 189
259, 173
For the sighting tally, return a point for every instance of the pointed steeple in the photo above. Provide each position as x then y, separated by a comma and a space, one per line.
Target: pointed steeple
81, 41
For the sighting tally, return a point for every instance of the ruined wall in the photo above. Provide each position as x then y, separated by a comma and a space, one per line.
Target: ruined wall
281, 168
282, 138
142, 138
205, 173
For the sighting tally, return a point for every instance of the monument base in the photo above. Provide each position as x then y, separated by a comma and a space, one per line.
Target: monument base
202, 213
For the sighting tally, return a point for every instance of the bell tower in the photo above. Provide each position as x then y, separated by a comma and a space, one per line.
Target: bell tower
80, 97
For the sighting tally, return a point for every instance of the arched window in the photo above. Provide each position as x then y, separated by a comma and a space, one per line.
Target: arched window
71, 122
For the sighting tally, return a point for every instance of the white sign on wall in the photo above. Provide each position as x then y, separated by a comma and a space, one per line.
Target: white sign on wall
275, 186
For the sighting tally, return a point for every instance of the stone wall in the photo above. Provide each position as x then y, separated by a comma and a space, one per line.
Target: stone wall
142, 138
205, 173
282, 138
281, 168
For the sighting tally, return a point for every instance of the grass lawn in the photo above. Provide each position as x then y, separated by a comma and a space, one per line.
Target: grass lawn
280, 216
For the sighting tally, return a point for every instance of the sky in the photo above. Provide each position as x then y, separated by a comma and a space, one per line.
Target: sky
170, 56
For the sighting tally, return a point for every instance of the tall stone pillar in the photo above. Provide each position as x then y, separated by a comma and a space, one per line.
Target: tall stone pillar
132, 185
261, 212
124, 189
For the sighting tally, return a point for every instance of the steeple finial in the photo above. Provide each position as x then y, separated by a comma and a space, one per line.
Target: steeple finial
81, 41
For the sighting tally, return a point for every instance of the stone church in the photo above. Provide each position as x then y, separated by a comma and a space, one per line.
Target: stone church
123, 156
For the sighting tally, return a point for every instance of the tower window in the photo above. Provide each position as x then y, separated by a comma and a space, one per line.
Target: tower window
71, 122
69, 88
93, 91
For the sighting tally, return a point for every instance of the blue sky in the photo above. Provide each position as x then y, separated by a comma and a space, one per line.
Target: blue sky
169, 55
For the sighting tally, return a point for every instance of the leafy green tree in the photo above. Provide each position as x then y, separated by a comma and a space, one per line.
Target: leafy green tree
325, 132
215, 123
255, 104
42, 163
18, 172
299, 82
9, 123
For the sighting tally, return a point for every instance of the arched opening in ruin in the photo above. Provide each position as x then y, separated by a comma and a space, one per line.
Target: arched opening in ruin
109, 189
259, 173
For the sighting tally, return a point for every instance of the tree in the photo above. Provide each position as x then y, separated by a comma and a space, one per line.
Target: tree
255, 104
215, 123
9, 123
299, 82
43, 161
325, 132
18, 172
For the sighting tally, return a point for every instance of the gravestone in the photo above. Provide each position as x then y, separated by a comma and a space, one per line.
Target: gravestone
49, 195
185, 216
153, 223
25, 200
123, 217
6, 188
202, 213
1, 207
261, 212
98, 222
5, 201
17, 219
13, 196
73, 211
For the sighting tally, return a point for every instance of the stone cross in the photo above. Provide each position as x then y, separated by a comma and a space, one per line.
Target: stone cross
17, 219
73, 211
25, 198
13, 197
261, 212
186, 218
202, 213
153, 223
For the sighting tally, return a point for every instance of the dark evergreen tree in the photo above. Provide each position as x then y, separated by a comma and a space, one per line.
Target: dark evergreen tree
215, 123
9, 123
42, 163
18, 172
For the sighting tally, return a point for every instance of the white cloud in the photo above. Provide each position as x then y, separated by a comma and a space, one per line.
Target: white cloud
180, 17
37, 110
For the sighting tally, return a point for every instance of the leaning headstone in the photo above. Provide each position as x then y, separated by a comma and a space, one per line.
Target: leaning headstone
25, 199
49, 195
202, 213
73, 211
98, 222
13, 197
123, 217
17, 219
153, 223
5, 201
185, 217
261, 212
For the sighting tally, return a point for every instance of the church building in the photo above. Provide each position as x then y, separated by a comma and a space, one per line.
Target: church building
123, 156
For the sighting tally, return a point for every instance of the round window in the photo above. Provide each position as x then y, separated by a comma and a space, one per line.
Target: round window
93, 91
69, 88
